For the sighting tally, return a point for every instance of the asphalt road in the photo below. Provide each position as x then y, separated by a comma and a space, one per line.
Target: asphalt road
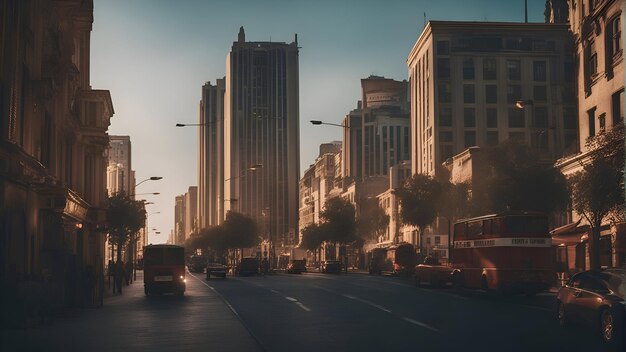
356, 312
309, 312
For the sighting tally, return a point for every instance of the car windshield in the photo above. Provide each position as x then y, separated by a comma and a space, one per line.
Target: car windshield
616, 281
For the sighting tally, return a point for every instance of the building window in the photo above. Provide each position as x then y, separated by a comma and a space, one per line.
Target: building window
570, 142
489, 69
443, 68
539, 71
591, 118
468, 68
445, 116
445, 94
519, 137
514, 70
602, 122
445, 136
516, 118
541, 117
492, 138
443, 47
617, 106
437, 239
469, 117
570, 118
446, 152
614, 34
540, 93
470, 138
492, 118
491, 94
513, 93
592, 59
468, 94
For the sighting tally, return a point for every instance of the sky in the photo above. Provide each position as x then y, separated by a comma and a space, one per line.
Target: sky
155, 55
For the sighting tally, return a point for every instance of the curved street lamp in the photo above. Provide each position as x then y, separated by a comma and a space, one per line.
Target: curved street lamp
153, 178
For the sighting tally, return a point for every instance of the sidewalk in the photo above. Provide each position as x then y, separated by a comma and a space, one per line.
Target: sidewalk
199, 321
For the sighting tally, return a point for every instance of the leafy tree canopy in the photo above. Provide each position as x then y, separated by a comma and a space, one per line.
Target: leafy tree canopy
241, 230
125, 217
419, 199
339, 216
519, 181
312, 236
372, 220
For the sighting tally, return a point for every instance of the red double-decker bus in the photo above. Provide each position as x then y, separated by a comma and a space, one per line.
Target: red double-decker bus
508, 252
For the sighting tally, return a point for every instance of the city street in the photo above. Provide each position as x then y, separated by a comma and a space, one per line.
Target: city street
309, 312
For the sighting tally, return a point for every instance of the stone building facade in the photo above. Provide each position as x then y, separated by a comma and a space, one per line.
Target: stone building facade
53, 139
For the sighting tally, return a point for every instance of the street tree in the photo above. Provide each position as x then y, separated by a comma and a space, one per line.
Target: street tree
339, 218
312, 238
419, 200
518, 180
372, 221
240, 231
125, 217
598, 190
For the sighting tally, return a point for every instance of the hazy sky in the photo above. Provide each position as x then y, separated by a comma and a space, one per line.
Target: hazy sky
155, 55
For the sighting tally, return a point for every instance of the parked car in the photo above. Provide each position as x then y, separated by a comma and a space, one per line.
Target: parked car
432, 272
216, 269
330, 266
196, 264
248, 266
296, 266
595, 298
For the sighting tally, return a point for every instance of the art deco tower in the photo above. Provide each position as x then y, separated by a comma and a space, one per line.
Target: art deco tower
261, 126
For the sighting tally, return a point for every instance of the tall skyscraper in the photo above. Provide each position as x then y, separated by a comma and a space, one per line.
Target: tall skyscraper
261, 126
120, 176
211, 155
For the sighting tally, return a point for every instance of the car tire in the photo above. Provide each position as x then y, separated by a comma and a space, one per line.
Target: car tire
561, 315
608, 327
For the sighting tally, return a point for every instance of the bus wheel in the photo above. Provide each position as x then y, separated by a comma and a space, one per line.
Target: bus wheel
457, 281
484, 283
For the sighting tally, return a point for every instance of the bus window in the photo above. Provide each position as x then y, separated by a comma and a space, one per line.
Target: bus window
526, 225
474, 229
459, 232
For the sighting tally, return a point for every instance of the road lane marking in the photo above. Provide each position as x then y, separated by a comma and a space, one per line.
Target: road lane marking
291, 299
276, 292
418, 323
377, 306
303, 306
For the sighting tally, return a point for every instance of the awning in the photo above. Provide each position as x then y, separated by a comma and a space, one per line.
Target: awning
569, 235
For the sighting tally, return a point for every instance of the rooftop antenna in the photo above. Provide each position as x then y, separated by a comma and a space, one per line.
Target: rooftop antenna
424, 19
525, 11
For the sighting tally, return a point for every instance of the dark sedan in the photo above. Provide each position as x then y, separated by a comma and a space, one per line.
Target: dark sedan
296, 266
595, 298
330, 266
215, 269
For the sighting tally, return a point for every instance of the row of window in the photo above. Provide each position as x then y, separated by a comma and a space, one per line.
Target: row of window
513, 93
516, 117
490, 69
484, 44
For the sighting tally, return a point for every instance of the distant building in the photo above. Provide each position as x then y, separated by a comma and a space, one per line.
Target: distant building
377, 132
261, 127
211, 155
120, 174
466, 78
179, 219
191, 204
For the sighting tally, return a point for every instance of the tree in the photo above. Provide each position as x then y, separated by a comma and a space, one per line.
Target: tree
339, 216
518, 180
372, 220
240, 231
597, 191
419, 199
312, 236
125, 217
